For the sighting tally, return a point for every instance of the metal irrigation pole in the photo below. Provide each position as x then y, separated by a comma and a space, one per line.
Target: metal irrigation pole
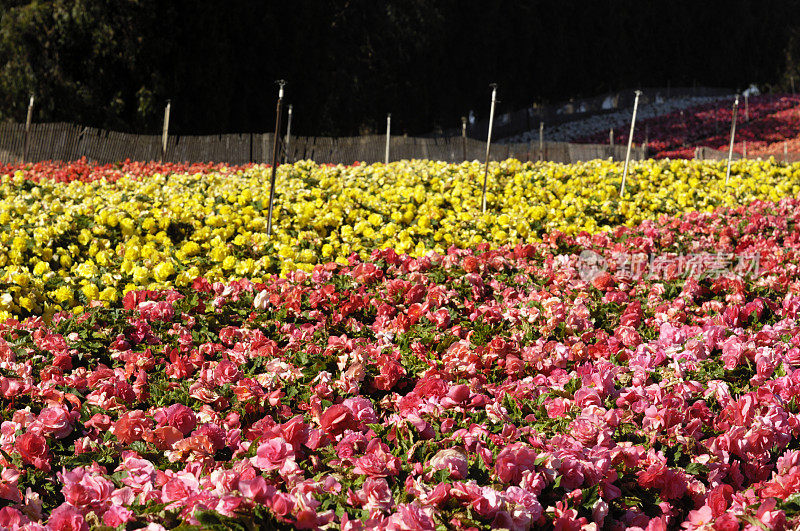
746, 108
288, 135
733, 133
281, 84
630, 141
388, 135
165, 131
488, 146
541, 140
27, 130
464, 135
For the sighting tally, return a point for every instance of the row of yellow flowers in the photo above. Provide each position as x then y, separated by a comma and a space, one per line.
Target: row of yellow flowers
63, 245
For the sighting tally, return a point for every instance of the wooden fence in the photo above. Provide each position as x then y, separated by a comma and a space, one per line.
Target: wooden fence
705, 153
63, 141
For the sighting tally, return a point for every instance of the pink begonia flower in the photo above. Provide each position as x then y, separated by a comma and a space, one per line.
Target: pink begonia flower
699, 519
274, 454
453, 460
336, 419
375, 494
585, 431
140, 472
84, 488
257, 489
122, 496
587, 396
230, 505
513, 461
34, 450
571, 471
282, 503
131, 426
362, 409
486, 502
12, 518
116, 516
179, 486
439, 495
377, 461
351, 445
181, 417
226, 372
65, 517
410, 517
56, 421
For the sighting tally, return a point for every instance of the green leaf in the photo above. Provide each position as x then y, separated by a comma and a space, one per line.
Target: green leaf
590, 497
696, 469
573, 385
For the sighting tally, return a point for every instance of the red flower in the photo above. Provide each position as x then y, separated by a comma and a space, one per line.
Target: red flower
603, 281
470, 264
181, 417
131, 426
34, 450
336, 419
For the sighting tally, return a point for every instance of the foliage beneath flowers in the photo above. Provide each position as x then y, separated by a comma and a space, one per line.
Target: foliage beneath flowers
475, 388
66, 245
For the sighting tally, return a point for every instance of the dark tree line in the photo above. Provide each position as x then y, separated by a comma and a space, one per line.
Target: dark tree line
348, 62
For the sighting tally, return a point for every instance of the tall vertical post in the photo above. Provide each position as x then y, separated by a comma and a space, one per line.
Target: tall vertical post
785, 151
611, 137
281, 84
388, 136
165, 131
685, 129
746, 107
288, 142
646, 138
488, 146
541, 140
464, 136
26, 146
733, 133
630, 141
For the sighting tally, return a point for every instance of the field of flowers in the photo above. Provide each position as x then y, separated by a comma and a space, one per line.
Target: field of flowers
66, 245
393, 359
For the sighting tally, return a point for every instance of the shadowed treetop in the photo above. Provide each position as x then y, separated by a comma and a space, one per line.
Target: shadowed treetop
349, 62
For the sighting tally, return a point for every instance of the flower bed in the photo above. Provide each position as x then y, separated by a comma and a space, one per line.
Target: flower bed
66, 245
84, 171
773, 119
471, 389
600, 124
